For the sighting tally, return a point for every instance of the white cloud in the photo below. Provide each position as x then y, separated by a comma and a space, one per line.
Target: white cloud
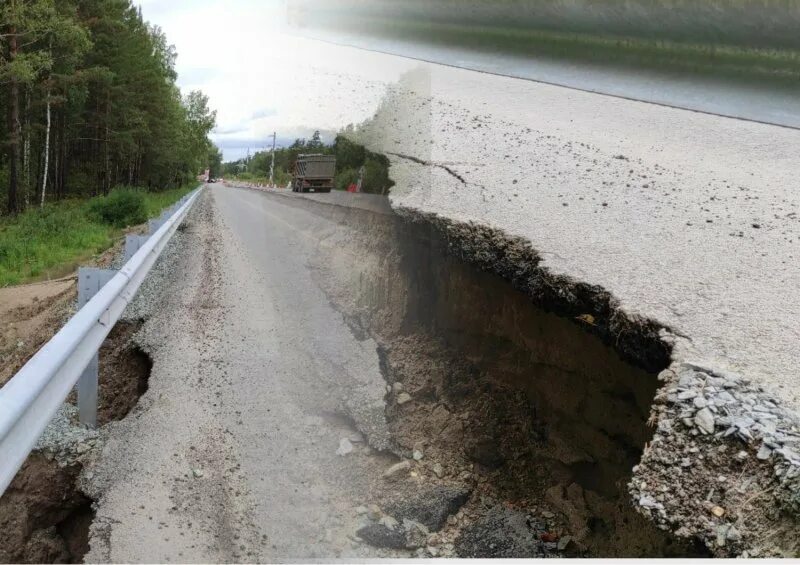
260, 78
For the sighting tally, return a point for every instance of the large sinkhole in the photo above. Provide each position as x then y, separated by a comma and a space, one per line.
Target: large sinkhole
44, 516
541, 390
549, 415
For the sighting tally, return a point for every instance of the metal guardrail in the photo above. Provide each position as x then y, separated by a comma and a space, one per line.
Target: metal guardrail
31, 398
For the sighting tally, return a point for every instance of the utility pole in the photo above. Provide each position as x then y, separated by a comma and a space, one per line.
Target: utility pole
360, 178
272, 166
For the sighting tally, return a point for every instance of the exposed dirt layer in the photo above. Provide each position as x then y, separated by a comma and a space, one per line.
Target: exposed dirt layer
123, 373
533, 414
43, 517
543, 398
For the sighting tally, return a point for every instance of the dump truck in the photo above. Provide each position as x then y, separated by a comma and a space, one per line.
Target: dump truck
314, 173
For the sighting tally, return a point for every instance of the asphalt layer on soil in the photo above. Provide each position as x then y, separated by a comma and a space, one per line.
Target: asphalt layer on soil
231, 454
688, 219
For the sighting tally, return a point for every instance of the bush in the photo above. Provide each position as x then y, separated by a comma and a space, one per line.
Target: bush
376, 175
345, 178
122, 207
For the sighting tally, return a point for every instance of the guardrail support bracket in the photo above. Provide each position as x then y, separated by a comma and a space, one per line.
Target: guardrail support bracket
133, 243
90, 281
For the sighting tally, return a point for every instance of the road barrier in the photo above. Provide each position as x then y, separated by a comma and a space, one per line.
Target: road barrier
32, 397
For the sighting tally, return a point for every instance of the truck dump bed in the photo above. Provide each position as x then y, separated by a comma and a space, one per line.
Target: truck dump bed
314, 173
316, 166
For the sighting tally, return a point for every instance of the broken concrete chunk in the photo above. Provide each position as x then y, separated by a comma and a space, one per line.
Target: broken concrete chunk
379, 535
704, 420
345, 447
764, 453
403, 397
564, 542
429, 506
500, 533
647, 501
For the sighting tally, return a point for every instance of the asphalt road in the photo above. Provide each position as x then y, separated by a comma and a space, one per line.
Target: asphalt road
747, 100
232, 452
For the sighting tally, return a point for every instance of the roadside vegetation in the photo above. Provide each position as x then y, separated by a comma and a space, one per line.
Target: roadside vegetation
90, 102
50, 241
89, 91
350, 158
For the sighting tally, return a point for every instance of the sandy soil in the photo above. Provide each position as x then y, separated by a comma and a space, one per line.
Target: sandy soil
29, 316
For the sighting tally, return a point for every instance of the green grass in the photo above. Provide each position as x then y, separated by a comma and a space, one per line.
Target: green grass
51, 241
155, 202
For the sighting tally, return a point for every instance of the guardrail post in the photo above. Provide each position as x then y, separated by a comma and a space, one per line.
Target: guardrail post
90, 281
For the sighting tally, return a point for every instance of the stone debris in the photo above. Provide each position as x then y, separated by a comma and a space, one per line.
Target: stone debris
705, 420
345, 447
374, 512
429, 506
505, 533
379, 535
397, 469
403, 397
416, 534
66, 440
708, 423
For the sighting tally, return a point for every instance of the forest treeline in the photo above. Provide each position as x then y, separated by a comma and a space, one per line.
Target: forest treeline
89, 102
352, 160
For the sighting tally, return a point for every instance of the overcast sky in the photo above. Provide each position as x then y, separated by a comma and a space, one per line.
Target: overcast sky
261, 78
